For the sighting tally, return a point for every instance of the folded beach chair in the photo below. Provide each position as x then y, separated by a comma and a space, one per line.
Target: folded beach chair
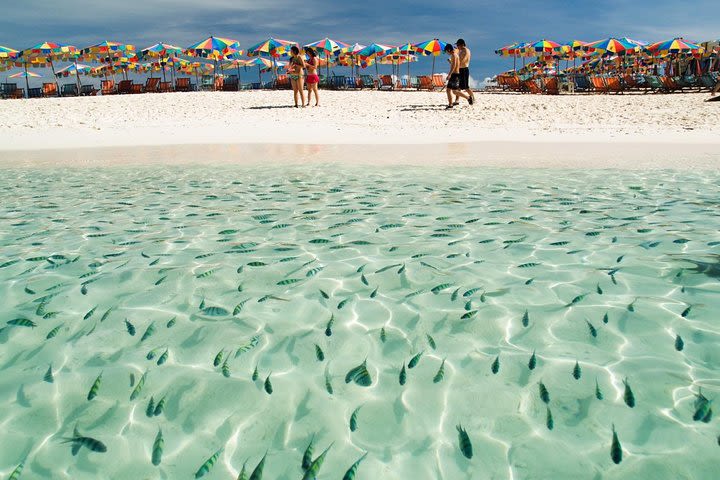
69, 90
88, 90
165, 87
231, 84
152, 85
107, 87
49, 90
125, 87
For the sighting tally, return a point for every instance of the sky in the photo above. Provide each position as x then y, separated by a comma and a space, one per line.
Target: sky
485, 25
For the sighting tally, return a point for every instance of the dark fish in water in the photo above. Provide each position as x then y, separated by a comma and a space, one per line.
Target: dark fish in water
171, 322
598, 289
686, 312
679, 344
615, 448
132, 380
529, 281
95, 388
225, 369
130, 327
52, 333
319, 353
431, 341
157, 449
702, 408
258, 472
22, 322
464, 440
324, 295
15, 475
218, 358
383, 336
598, 393
49, 375
401, 270
209, 464
163, 358
591, 327
148, 332
403, 375
359, 375
577, 300
353, 419
619, 259
255, 374
328, 327
150, 410
439, 288
343, 303
440, 373
159, 408
352, 471
106, 314
628, 396
415, 360
577, 373
495, 367
252, 343
525, 319
238, 308
268, 385
307, 455
533, 361
455, 294
78, 441
605, 318
328, 381
631, 306
363, 279
373, 294
312, 472
215, 312
544, 394
138, 388
90, 313
549, 422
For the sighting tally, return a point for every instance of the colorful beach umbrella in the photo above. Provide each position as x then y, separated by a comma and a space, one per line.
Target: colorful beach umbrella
542, 46
329, 47
676, 45
272, 47
51, 51
616, 46
6, 52
27, 74
105, 51
213, 47
73, 69
432, 47
372, 52
161, 50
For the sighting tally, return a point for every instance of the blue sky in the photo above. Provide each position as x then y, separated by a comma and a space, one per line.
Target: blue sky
485, 25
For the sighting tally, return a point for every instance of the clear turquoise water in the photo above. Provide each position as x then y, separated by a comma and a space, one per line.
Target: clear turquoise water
86, 249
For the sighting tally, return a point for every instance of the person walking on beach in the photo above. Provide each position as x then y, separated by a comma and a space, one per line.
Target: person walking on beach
453, 83
312, 77
296, 69
464, 56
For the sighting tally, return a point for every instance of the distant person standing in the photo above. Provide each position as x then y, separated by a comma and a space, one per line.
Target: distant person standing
464, 56
453, 82
312, 77
296, 71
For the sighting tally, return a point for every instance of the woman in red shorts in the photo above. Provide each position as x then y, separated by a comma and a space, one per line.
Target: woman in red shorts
312, 77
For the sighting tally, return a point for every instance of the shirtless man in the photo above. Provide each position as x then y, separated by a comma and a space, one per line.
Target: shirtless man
464, 55
453, 83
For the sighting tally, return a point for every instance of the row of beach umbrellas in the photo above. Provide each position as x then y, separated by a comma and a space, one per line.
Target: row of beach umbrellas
222, 53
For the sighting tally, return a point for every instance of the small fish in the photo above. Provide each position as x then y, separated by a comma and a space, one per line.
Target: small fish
403, 375
159, 408
95, 388
238, 308
615, 448
52, 333
353, 419
576, 371
576, 300
525, 319
49, 375
328, 381
255, 374
15, 475
106, 314
225, 369
215, 311
440, 373
209, 464
495, 367
163, 358
132, 380
78, 441
383, 335
549, 422
631, 306
544, 394
343, 303
319, 353
702, 408
686, 312
363, 279
258, 472
439, 288
374, 293
359, 375
252, 343
148, 332
598, 393
679, 344
171, 322
533, 361
243, 475
401, 270
591, 327
454, 295
352, 471
415, 360
598, 289
619, 259
150, 410
431, 341
157, 449
22, 322
605, 319
469, 314
307, 455
312, 472
90, 313
218, 358
328, 327
324, 295
464, 440
628, 396
138, 388
268, 385
130, 327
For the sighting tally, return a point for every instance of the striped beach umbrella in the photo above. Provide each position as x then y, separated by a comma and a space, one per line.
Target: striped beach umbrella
213, 47
329, 47
615, 46
6, 52
26, 74
542, 46
51, 51
272, 47
73, 69
372, 52
430, 47
676, 45
161, 50
105, 51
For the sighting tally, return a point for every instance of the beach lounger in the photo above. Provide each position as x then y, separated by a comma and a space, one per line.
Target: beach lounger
282, 82
69, 90
367, 81
11, 90
514, 84
136, 88
207, 83
582, 83
438, 82
613, 84
107, 87
49, 90
630, 82
88, 90
551, 86
425, 83
669, 84
152, 85
599, 84
219, 82
125, 87
183, 85
688, 82
165, 87
231, 84
415, 83
386, 83
708, 81
35, 93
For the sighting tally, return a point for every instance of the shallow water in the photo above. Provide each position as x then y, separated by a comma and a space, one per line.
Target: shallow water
240, 259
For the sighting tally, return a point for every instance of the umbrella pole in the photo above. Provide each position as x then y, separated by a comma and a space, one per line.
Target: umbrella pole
238, 72
27, 82
433, 67
260, 76
327, 57
57, 85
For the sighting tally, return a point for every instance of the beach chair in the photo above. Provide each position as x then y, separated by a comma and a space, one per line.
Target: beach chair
551, 86
107, 87
688, 82
219, 82
415, 83
35, 92
599, 84
425, 83
283, 82
582, 83
152, 85
88, 90
165, 87
630, 82
707, 82
438, 82
231, 84
367, 81
125, 87
670, 84
11, 90
613, 84
136, 88
49, 90
69, 90
386, 83
207, 83
533, 85
653, 84
183, 85
513, 83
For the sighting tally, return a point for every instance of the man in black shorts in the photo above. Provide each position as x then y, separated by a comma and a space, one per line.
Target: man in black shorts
464, 55
453, 82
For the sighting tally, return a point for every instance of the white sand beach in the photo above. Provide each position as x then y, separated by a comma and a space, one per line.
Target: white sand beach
501, 129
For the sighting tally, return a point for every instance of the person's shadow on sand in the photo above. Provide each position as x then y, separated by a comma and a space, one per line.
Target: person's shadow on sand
269, 107
420, 108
